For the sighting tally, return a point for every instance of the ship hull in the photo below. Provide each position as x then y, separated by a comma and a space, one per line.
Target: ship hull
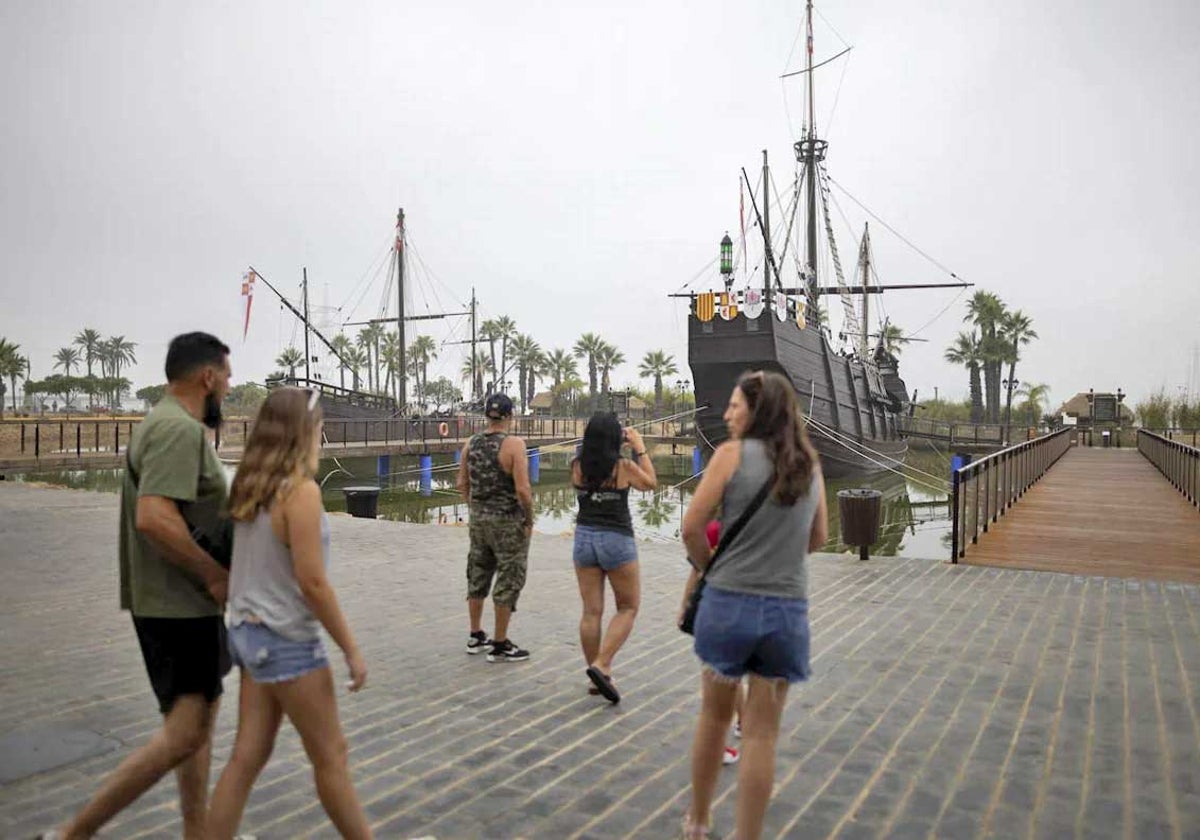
856, 406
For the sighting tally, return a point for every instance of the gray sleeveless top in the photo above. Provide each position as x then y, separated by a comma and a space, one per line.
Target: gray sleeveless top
262, 583
769, 556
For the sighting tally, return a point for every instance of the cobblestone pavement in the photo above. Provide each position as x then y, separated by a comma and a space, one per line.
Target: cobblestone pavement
946, 701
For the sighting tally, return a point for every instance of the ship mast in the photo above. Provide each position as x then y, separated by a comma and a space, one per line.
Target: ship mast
810, 151
865, 260
402, 401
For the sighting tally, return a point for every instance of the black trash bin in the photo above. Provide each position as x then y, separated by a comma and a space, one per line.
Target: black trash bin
859, 512
362, 502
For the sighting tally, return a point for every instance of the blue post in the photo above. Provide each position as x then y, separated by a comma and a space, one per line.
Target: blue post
696, 461
426, 475
383, 470
535, 465
457, 456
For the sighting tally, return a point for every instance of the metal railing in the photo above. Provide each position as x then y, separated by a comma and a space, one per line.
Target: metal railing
984, 490
81, 438
1178, 462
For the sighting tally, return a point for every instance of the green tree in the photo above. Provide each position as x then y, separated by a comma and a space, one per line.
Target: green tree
13, 366
588, 347
116, 353
1034, 400
1154, 412
536, 362
1016, 330
368, 341
489, 332
986, 311
357, 358
342, 346
892, 339
655, 365
608, 358
90, 340
505, 330
479, 369
525, 356
67, 358
966, 351
244, 399
291, 358
560, 365
423, 351
151, 394
443, 393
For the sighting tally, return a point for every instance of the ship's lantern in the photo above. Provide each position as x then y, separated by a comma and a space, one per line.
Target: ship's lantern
727, 255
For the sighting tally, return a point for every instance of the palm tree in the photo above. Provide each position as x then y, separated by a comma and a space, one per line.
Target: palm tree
66, 358
389, 356
89, 340
525, 352
986, 311
606, 359
368, 340
587, 347
1033, 398
422, 352
118, 353
560, 365
13, 366
291, 358
536, 362
1016, 328
477, 370
488, 332
505, 331
341, 347
357, 358
966, 351
892, 339
657, 364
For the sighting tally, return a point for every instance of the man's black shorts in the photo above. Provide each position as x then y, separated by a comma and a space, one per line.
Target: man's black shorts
183, 656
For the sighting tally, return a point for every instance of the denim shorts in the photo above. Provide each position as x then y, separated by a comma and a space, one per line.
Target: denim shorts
602, 548
766, 635
270, 657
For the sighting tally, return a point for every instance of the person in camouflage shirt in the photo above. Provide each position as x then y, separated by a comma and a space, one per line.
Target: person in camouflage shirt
494, 476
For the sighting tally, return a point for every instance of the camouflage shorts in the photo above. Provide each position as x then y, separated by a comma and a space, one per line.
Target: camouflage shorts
500, 549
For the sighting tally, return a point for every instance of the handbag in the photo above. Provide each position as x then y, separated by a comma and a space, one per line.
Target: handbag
219, 542
687, 622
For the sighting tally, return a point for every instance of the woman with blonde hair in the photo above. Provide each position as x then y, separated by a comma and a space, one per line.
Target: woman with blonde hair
279, 598
753, 614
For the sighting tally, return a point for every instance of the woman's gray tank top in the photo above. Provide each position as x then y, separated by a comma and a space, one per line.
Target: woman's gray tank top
262, 582
769, 556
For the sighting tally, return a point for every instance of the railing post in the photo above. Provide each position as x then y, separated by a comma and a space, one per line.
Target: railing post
954, 518
78, 440
61, 440
37, 440
22, 437
97, 430
117, 438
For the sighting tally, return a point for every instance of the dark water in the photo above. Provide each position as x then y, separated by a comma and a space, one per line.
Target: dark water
914, 523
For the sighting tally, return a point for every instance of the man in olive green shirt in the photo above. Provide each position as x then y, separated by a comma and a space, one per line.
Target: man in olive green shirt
174, 490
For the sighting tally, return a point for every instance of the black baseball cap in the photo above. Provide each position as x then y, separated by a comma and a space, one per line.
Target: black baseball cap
498, 406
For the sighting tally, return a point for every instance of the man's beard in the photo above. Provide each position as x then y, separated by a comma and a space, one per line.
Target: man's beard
212, 411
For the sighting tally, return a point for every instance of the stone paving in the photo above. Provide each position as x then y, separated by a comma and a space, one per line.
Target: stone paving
946, 702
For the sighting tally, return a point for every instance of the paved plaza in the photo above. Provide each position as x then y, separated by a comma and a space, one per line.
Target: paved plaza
947, 701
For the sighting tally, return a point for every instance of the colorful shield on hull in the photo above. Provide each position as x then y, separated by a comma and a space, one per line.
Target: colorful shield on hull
728, 305
754, 304
705, 306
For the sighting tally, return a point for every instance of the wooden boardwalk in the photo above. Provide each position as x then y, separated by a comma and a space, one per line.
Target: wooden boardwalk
1098, 512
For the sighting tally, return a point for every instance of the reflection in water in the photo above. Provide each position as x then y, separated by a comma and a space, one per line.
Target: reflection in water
914, 519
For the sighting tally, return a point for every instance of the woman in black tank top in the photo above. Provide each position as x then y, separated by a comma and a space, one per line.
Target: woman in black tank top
604, 545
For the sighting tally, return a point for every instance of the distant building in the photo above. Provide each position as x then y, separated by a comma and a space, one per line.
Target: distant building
1090, 411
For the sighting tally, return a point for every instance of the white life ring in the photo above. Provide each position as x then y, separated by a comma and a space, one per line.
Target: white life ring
444, 429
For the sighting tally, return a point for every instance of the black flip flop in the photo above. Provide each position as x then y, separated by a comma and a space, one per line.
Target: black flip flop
604, 684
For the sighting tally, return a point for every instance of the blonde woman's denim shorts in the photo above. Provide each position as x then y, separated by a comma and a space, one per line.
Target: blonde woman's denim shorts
737, 633
269, 657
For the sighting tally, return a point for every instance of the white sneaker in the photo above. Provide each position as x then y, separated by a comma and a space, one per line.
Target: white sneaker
737, 730
731, 756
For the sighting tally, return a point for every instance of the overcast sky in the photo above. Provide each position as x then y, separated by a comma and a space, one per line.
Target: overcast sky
575, 162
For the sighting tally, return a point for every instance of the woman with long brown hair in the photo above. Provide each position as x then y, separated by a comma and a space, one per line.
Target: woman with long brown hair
279, 598
753, 617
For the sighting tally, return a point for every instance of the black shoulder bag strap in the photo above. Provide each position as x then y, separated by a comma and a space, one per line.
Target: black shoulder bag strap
730, 533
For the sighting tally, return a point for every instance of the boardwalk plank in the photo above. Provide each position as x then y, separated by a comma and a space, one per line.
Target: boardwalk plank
1098, 512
